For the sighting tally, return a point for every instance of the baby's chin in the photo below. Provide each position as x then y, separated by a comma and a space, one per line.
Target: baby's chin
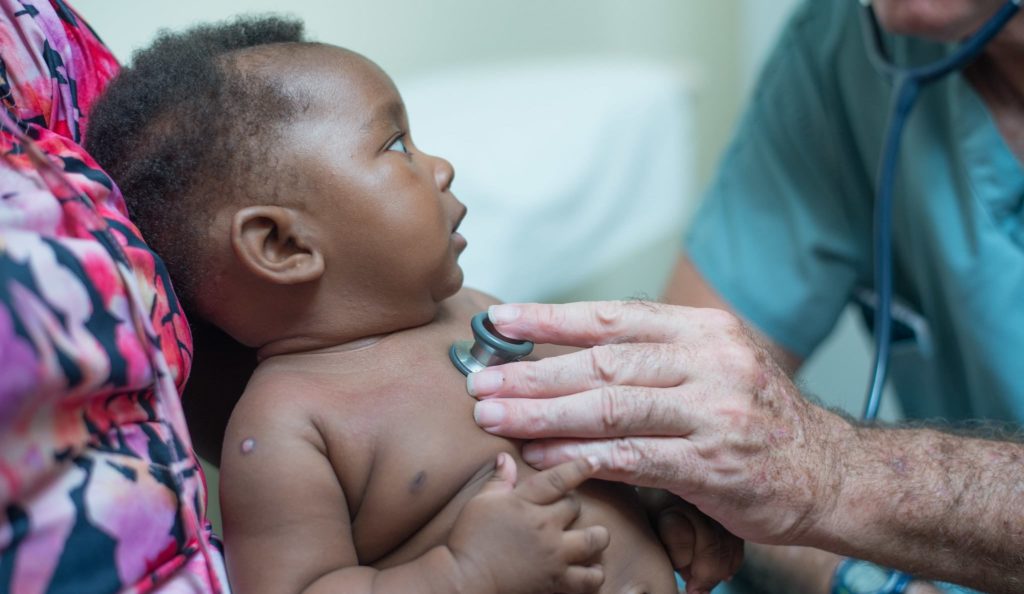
457, 280
451, 285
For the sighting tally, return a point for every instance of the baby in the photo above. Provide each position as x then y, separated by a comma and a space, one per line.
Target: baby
279, 181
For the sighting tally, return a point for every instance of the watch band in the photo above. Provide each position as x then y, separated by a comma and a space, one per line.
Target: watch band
844, 582
902, 582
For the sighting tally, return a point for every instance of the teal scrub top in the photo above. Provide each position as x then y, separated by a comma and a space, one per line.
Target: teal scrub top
784, 233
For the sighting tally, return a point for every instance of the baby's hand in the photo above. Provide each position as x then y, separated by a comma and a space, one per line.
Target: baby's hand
701, 550
513, 539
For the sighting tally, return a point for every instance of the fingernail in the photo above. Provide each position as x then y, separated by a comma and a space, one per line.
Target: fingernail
593, 462
503, 314
501, 461
489, 414
482, 383
532, 456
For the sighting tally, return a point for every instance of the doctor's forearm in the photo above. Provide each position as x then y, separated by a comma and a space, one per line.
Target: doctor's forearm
936, 505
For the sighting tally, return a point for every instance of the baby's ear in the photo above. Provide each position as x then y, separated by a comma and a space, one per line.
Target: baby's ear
274, 243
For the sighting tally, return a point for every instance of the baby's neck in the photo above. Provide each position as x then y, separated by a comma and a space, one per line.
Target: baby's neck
293, 345
322, 339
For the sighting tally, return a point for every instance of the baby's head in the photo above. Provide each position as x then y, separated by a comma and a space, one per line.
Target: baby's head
278, 180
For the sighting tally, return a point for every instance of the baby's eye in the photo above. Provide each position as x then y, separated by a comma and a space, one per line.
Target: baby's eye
398, 145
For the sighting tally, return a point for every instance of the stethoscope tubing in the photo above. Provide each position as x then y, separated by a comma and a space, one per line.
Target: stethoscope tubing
907, 85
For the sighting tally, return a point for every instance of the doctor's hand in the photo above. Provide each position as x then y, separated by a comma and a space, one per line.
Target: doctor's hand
671, 397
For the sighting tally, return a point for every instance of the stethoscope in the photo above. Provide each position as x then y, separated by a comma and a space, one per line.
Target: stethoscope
490, 348
487, 348
907, 84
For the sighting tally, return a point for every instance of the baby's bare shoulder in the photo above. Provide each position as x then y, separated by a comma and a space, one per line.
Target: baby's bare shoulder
284, 403
270, 409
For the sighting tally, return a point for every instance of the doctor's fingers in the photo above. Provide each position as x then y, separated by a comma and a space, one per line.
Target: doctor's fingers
652, 365
606, 322
669, 463
613, 411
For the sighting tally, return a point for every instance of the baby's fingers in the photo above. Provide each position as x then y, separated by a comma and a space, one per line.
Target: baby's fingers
581, 546
716, 558
581, 580
504, 478
555, 483
564, 511
702, 551
679, 537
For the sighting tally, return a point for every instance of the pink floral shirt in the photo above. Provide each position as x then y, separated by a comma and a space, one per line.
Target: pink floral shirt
100, 490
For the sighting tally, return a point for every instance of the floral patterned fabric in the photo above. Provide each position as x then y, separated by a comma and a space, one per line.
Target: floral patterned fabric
100, 490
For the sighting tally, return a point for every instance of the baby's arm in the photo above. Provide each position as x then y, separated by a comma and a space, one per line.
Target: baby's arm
287, 524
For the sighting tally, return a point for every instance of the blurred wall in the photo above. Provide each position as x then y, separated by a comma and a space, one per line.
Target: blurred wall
411, 36
760, 23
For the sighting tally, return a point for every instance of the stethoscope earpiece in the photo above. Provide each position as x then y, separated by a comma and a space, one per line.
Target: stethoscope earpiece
487, 347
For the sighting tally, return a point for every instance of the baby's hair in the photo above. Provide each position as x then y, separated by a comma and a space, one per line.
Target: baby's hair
183, 127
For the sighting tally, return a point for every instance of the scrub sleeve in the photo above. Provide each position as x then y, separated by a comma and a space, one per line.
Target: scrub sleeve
776, 235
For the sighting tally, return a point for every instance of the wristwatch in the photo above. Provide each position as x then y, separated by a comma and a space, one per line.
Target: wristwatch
854, 576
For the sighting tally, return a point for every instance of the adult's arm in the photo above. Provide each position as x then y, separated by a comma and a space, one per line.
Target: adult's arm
688, 400
92, 344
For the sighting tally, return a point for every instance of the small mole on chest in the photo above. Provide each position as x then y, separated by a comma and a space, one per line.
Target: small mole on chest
418, 482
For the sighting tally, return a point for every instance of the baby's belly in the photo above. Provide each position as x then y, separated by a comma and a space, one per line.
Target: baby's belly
634, 562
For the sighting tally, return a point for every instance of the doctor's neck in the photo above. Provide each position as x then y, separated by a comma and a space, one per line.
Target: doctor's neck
998, 78
1005, 56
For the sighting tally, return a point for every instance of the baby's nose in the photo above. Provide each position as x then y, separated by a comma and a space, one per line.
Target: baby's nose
444, 173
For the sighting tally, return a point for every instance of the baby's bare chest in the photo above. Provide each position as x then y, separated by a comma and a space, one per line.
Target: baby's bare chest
408, 455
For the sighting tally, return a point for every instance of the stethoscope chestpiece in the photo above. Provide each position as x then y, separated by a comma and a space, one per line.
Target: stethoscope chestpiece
487, 347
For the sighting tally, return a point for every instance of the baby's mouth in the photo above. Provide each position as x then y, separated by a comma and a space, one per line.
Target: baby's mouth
458, 221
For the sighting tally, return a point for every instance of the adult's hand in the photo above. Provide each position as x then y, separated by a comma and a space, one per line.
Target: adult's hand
670, 397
